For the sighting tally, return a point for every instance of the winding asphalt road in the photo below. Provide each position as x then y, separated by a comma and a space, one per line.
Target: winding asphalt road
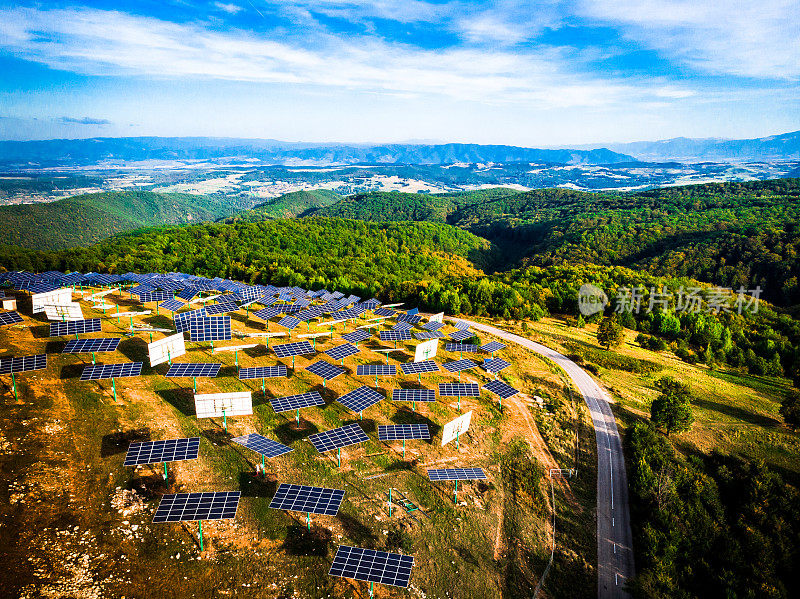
614, 539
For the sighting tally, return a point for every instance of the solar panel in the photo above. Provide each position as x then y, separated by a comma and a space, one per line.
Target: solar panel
357, 336
289, 322
360, 399
10, 318
386, 312
376, 370
413, 395
394, 335
352, 434
410, 318
295, 402
187, 293
309, 314
172, 305
139, 289
419, 367
221, 308
209, 369
371, 303
94, 372
470, 348
399, 432
429, 335
461, 335
459, 365
371, 565
74, 327
326, 370
155, 296
263, 372
183, 319
492, 347
461, 325
298, 348
168, 450
340, 352
457, 474
501, 389
347, 314
495, 365
23, 363
433, 325
459, 390
262, 445
182, 507
312, 500
82, 346
267, 313
403, 326
212, 328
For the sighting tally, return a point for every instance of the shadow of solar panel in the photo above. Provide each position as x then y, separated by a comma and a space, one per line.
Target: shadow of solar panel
501, 389
357, 336
429, 335
289, 322
312, 500
459, 390
352, 434
182, 507
260, 444
298, 348
492, 347
82, 346
211, 328
376, 370
10, 318
419, 367
208, 369
461, 334
168, 450
459, 365
399, 432
360, 399
457, 474
370, 565
221, 308
413, 395
340, 352
324, 369
23, 363
394, 335
264, 372
75, 327
495, 365
295, 402
467, 348
94, 372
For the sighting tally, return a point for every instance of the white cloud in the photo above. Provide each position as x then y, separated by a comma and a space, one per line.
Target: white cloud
723, 37
231, 9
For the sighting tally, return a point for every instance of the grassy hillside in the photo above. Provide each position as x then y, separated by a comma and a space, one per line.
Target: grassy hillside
86, 219
290, 205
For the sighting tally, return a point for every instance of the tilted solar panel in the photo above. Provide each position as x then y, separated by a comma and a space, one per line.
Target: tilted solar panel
205, 369
267, 313
182, 507
168, 450
469, 348
264, 372
376, 370
357, 336
457, 474
394, 335
82, 346
10, 318
459, 365
326, 370
360, 399
221, 308
492, 347
409, 318
370, 565
403, 326
459, 390
298, 348
289, 322
183, 320
295, 402
154, 296
312, 500
172, 305
419, 367
386, 312
429, 335
461, 335
501, 389
75, 327
413, 395
433, 325
211, 328
16, 364
262, 445
340, 352
352, 434
495, 365
398, 432
94, 372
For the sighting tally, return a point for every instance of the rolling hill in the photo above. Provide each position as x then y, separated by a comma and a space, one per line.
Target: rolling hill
290, 205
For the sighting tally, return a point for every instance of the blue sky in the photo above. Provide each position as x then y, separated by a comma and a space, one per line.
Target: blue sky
542, 73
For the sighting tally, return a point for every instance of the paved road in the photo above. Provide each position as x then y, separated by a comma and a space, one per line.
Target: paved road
614, 538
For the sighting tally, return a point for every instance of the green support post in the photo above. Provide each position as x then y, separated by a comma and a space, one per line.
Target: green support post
298, 416
169, 355
224, 421
166, 476
390, 502
14, 384
212, 346
200, 526
404, 449
293, 362
456, 439
376, 376
114, 387
414, 405
92, 357
339, 456
371, 589
194, 379
455, 494
156, 308
263, 466
361, 415
236, 358
314, 342
308, 520
263, 388
117, 313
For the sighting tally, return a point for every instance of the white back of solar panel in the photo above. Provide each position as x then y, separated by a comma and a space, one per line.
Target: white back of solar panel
66, 311
459, 426
166, 349
212, 405
426, 350
57, 297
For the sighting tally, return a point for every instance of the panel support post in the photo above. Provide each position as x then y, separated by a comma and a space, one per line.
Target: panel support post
263, 466
308, 520
224, 421
456, 439
390, 502
194, 380
455, 494
92, 357
404, 449
339, 456
298, 416
166, 475
14, 384
114, 387
200, 528
263, 388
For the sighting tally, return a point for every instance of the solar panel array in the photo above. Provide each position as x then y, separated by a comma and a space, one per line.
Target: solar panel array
399, 432
457, 474
75, 327
459, 390
263, 372
352, 434
168, 450
295, 402
172, 305
459, 365
209, 369
419, 367
182, 507
267, 313
187, 293
429, 335
326, 370
94, 372
10, 318
495, 365
221, 308
154, 296
492, 347
371, 565
461, 334
312, 500
360, 399
394, 335
357, 336
212, 328
501, 389
82, 346
260, 444
298, 348
413, 395
183, 319
23, 363
376, 370
470, 348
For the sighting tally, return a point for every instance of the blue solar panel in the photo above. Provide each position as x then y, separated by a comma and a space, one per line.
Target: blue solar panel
492, 347
7, 318
459, 390
459, 365
370, 565
357, 336
183, 319
409, 318
397, 432
211, 328
311, 500
413, 395
376, 370
208, 369
461, 335
289, 322
83, 346
267, 313
419, 367
94, 372
221, 308
263, 445
457, 474
360, 399
501, 389
264, 372
394, 335
155, 296
182, 507
167, 450
326, 370
16, 364
295, 402
433, 325
340, 352
429, 335
352, 434
495, 365
172, 305
385, 312
298, 348
470, 348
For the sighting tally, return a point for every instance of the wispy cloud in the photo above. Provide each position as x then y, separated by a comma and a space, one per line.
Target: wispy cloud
111, 43
84, 121
231, 9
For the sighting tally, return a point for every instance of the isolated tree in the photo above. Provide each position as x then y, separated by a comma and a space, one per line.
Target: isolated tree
672, 409
790, 409
609, 332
